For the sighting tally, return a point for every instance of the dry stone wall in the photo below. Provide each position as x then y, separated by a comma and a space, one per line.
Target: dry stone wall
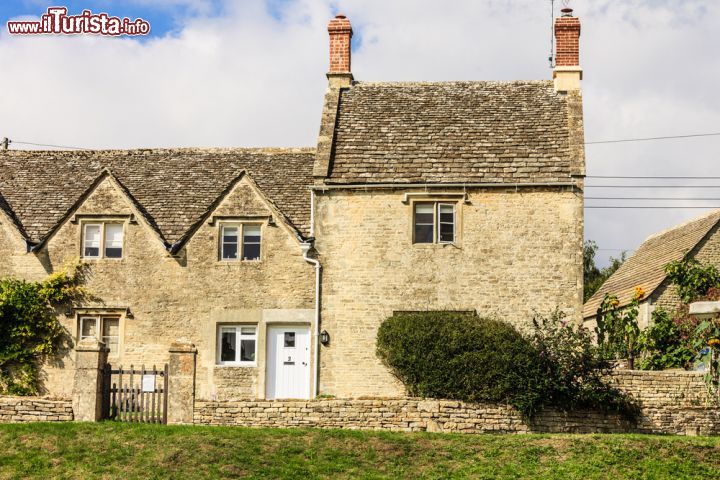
34, 409
671, 402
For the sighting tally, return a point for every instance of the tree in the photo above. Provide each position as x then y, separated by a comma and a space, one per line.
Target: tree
594, 277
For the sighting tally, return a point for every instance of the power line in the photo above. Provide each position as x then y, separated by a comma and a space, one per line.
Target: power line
642, 207
641, 177
653, 198
647, 139
652, 186
46, 145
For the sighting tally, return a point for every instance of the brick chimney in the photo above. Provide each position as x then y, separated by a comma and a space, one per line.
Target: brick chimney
340, 32
567, 73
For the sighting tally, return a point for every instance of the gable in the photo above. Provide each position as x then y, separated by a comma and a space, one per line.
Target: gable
242, 200
106, 199
646, 268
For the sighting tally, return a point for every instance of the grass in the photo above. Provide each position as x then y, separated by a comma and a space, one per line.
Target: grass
113, 450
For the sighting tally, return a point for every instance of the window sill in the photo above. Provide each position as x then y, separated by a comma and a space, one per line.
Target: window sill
436, 245
238, 262
101, 259
236, 365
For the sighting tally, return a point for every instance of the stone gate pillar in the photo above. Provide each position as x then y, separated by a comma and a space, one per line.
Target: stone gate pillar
181, 383
90, 360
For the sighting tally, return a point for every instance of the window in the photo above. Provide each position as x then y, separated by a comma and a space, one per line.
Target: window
109, 326
251, 242
289, 340
434, 222
237, 344
232, 249
105, 238
111, 334
91, 240
229, 243
113, 240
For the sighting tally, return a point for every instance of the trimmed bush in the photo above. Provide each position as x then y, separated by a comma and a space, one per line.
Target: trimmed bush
462, 356
466, 357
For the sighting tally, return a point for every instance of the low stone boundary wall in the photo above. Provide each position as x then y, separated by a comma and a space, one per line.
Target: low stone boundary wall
664, 389
671, 402
34, 409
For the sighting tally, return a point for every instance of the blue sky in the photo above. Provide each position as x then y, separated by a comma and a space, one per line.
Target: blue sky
164, 17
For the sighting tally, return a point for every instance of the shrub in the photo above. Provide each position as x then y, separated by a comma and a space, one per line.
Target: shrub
617, 329
466, 357
665, 343
575, 367
462, 356
29, 326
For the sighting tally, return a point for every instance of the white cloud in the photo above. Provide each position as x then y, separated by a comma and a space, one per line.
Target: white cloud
253, 78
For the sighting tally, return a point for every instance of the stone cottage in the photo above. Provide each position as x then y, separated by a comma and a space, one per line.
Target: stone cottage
697, 238
280, 264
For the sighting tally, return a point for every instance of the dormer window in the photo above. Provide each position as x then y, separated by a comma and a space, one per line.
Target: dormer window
102, 240
240, 241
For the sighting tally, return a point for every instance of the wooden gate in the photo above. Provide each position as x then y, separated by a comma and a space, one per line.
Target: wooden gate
133, 395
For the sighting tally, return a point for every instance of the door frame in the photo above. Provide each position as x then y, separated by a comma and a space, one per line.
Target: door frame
266, 374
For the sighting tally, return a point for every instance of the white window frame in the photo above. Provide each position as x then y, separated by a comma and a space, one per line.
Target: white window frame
222, 242
436, 221
439, 222
99, 324
83, 318
239, 336
101, 249
84, 239
241, 241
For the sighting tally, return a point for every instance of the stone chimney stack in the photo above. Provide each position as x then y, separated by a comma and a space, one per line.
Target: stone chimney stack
340, 32
567, 73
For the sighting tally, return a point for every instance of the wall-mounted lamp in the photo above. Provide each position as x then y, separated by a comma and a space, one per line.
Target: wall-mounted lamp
324, 337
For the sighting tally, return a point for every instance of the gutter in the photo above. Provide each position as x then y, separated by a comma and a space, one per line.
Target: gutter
306, 246
368, 186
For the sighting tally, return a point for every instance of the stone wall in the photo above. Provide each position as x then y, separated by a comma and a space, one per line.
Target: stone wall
671, 402
162, 298
516, 252
34, 409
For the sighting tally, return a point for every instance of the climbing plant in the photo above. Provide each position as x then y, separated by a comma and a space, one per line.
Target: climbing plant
691, 278
29, 328
617, 328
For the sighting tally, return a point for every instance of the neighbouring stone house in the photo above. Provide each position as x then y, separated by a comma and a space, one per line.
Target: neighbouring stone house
280, 264
697, 238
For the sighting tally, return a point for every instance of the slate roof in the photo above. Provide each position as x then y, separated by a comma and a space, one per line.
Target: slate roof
452, 132
646, 268
173, 188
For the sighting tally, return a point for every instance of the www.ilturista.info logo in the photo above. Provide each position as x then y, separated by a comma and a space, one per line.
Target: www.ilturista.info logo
57, 21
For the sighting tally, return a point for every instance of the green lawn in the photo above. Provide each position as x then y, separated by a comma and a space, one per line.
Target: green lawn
108, 450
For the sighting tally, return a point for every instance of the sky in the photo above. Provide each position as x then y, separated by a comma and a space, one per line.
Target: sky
252, 73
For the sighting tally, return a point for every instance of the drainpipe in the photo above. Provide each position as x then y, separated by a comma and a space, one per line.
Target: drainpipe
306, 247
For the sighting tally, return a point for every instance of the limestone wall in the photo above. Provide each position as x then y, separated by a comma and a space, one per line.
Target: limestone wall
517, 252
163, 298
34, 409
671, 402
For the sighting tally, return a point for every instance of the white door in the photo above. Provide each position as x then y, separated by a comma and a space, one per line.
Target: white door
288, 362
